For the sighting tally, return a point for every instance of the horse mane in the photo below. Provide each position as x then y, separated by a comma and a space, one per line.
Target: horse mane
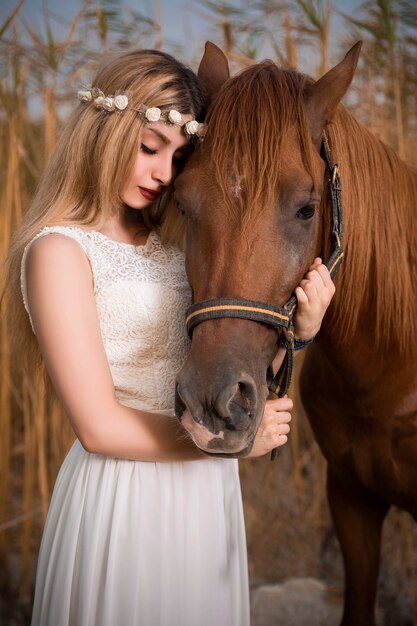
379, 193
246, 124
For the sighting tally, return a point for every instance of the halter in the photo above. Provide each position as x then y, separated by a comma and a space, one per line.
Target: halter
270, 314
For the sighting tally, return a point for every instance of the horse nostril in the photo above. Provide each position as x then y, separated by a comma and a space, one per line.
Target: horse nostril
247, 392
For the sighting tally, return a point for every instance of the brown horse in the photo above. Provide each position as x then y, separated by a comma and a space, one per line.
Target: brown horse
257, 208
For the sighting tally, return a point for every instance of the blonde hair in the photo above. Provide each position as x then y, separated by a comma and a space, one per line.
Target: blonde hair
82, 181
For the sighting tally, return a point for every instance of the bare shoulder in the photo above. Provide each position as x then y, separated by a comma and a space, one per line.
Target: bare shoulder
54, 244
59, 285
55, 253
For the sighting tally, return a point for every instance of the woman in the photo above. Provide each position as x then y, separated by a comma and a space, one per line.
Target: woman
143, 528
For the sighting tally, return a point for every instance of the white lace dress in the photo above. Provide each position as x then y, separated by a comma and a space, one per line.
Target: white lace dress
132, 543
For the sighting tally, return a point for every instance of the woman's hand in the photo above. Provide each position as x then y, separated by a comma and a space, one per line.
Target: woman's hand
274, 427
314, 294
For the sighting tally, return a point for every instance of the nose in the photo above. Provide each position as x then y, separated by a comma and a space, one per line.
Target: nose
231, 405
163, 169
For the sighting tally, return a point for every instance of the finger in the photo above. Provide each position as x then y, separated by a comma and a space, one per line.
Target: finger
311, 290
315, 276
284, 404
283, 417
280, 404
281, 439
316, 263
283, 429
273, 421
312, 268
276, 417
301, 295
325, 275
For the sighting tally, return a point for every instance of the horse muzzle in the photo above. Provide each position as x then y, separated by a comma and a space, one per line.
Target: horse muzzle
223, 417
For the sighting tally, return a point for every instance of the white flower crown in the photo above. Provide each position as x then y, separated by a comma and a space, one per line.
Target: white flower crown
120, 102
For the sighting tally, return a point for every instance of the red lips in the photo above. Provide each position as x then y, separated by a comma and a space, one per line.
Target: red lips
149, 194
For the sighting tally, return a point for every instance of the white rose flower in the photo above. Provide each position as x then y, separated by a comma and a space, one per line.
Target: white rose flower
191, 127
174, 117
108, 104
121, 102
201, 131
84, 95
98, 102
153, 114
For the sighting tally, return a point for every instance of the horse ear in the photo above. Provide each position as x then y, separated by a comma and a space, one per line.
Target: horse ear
213, 70
323, 96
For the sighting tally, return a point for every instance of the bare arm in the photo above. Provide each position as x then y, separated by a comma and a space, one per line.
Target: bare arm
64, 314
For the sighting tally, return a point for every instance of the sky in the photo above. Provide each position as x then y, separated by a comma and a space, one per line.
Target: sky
185, 23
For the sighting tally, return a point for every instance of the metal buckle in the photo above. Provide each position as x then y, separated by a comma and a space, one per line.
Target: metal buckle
335, 173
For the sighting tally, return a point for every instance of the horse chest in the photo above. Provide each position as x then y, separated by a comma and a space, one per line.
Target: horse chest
368, 439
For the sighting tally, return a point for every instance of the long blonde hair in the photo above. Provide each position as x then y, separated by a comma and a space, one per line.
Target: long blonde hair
81, 184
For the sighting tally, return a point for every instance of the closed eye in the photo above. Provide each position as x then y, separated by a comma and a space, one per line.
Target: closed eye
147, 150
306, 212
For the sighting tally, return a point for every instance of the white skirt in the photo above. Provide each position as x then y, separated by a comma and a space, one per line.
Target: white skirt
129, 543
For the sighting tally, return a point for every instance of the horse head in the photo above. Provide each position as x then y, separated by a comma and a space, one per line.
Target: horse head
254, 196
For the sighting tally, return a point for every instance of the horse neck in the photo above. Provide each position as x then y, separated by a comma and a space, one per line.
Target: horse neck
379, 193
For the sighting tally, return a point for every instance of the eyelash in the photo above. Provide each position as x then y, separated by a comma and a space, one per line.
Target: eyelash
147, 150
306, 212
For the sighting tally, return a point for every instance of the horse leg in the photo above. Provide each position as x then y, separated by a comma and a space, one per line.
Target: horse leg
358, 516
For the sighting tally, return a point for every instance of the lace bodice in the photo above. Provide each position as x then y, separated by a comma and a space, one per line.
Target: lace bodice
141, 294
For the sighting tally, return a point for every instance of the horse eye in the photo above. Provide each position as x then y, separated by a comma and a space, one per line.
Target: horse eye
306, 212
